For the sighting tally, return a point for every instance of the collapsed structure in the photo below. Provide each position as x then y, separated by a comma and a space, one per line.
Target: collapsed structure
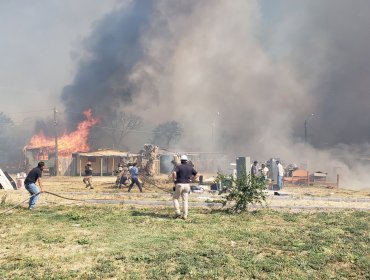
151, 157
6, 182
67, 154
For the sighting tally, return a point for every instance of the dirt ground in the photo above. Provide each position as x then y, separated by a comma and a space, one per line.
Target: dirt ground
159, 190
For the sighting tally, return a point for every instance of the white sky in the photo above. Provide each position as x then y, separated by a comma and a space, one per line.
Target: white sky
40, 43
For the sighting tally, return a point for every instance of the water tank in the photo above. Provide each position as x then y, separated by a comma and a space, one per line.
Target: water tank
165, 165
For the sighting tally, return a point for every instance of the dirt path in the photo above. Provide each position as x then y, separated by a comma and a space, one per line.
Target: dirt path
104, 192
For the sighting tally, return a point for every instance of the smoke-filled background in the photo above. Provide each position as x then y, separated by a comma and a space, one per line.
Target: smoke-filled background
242, 77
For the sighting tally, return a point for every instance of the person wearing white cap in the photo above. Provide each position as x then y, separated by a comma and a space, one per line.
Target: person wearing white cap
182, 175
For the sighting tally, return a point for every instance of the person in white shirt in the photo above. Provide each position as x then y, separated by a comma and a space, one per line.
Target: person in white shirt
280, 175
264, 171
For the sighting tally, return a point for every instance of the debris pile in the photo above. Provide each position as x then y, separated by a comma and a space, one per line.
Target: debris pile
151, 155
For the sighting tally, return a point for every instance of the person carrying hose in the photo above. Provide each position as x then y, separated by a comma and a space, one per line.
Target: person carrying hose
30, 184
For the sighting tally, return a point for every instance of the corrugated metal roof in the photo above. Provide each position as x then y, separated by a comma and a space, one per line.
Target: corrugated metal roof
106, 153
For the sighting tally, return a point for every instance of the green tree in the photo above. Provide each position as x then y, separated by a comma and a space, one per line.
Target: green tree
242, 191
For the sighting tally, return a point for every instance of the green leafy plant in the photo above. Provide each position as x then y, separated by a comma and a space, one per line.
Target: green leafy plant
83, 241
241, 191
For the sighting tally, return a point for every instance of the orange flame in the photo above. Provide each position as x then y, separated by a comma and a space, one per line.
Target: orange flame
68, 143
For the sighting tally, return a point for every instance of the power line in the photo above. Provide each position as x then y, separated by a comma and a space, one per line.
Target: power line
120, 129
26, 112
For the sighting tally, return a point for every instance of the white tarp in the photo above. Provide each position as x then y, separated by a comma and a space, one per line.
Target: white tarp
6, 182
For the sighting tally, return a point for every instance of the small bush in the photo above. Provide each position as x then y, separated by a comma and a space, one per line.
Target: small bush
242, 191
83, 241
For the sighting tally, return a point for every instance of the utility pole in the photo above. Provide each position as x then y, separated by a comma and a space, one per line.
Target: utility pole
213, 131
305, 127
56, 143
305, 131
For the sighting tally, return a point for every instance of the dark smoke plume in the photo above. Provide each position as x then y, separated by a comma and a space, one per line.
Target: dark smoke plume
103, 78
204, 63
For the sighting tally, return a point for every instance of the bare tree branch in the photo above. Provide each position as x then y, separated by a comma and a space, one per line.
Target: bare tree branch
167, 133
122, 124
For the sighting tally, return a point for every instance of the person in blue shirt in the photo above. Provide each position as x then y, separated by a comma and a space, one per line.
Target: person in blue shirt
134, 180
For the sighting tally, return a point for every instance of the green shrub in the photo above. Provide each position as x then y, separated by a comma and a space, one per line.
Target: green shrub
241, 191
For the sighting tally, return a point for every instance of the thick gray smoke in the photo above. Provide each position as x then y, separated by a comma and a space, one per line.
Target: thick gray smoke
204, 64
331, 49
103, 78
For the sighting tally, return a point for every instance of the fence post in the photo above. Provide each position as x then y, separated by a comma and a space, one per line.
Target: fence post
308, 179
337, 180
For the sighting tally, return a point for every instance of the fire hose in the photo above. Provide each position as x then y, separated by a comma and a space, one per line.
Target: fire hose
36, 194
54, 194
256, 206
146, 179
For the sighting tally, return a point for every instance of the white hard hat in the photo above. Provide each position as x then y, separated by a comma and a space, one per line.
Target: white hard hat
184, 157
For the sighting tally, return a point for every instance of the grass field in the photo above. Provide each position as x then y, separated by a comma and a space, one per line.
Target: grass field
123, 242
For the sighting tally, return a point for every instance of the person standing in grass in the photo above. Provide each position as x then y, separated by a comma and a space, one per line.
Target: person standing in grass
134, 171
280, 175
182, 175
30, 184
88, 175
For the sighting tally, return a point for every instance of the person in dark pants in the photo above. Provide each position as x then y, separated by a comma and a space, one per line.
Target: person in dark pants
123, 174
30, 184
182, 175
88, 176
134, 180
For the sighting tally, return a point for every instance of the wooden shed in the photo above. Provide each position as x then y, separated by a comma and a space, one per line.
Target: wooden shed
103, 162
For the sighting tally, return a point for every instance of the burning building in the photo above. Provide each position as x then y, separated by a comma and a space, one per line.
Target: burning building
42, 148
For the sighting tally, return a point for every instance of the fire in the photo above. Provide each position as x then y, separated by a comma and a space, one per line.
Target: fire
68, 143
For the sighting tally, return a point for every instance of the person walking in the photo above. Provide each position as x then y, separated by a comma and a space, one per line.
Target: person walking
134, 171
30, 184
182, 175
280, 175
88, 175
